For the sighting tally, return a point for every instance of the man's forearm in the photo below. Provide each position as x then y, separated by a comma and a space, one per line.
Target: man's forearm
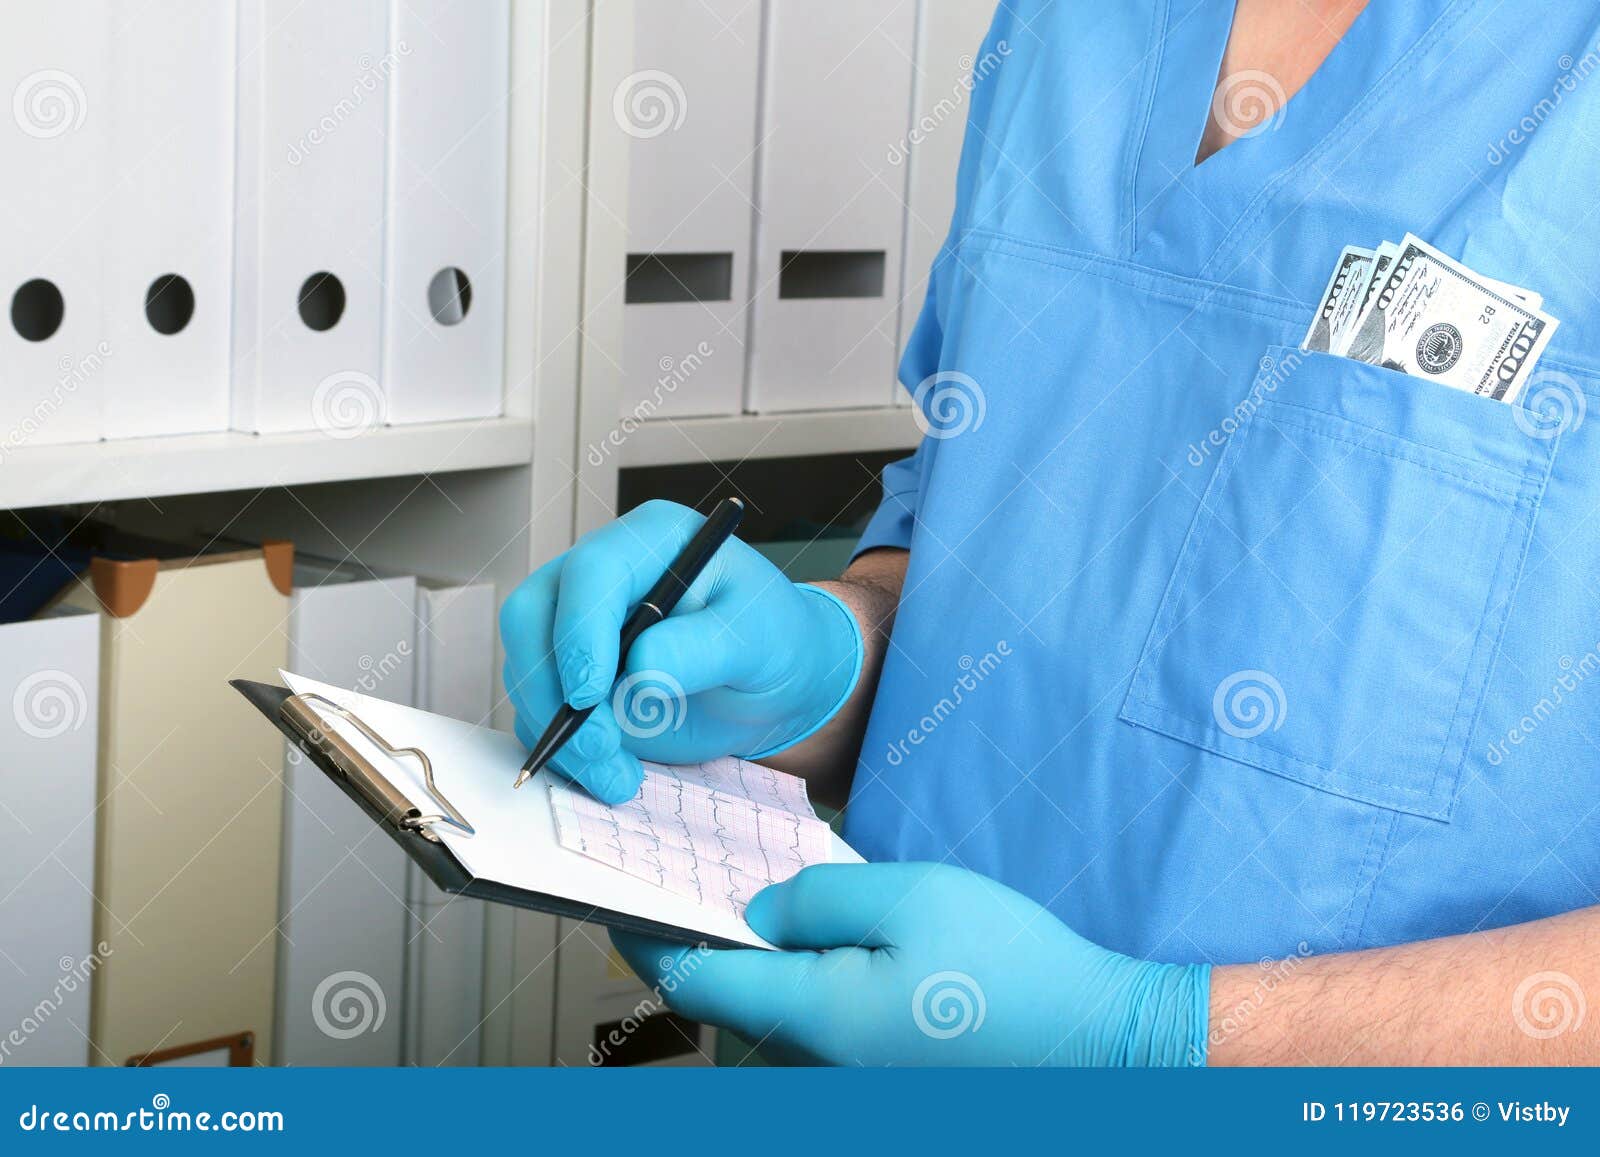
827, 760
1512, 996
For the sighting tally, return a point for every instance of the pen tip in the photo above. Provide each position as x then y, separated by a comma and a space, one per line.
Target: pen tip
521, 779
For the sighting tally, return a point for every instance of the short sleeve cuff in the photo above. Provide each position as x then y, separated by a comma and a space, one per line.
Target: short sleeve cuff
891, 526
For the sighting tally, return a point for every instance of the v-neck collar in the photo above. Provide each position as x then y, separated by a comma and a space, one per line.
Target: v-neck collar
1204, 206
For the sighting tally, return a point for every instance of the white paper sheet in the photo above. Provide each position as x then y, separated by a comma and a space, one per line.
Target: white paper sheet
516, 841
716, 832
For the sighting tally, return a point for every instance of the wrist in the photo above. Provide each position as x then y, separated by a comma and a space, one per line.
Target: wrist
1169, 1017
1128, 1013
838, 655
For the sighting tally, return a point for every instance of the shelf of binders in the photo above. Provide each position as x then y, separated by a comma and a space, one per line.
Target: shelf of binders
53, 475
742, 437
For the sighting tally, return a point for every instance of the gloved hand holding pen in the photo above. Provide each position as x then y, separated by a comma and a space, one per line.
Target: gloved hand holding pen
748, 665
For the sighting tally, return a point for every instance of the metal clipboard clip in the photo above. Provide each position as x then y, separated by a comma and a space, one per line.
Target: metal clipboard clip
374, 786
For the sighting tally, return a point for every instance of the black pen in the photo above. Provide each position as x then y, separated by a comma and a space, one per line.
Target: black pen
656, 605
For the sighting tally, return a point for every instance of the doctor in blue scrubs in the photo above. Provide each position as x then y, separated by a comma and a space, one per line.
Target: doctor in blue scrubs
1196, 699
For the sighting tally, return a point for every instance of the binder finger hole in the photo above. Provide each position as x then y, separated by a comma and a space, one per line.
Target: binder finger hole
321, 301
37, 309
449, 296
675, 278
821, 273
169, 304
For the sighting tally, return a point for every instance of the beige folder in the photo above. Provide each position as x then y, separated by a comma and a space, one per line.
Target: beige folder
191, 800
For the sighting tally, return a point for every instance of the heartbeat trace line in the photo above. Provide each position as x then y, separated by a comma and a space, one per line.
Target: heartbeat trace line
715, 832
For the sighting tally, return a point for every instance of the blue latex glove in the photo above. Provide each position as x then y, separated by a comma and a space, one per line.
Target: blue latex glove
926, 964
748, 664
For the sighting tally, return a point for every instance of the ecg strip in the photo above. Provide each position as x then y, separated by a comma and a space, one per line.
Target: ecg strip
714, 832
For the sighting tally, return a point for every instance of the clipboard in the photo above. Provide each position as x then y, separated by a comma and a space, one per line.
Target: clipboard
420, 831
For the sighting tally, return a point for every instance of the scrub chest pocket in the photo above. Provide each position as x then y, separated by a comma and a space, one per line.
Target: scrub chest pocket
1335, 610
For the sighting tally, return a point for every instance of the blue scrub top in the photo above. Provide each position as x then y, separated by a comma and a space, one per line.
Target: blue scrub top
1216, 648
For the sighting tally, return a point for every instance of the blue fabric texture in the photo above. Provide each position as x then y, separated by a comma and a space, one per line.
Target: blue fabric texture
1215, 649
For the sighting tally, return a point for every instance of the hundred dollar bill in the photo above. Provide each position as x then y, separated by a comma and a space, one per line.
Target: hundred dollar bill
1339, 298
1434, 318
1383, 260
1527, 296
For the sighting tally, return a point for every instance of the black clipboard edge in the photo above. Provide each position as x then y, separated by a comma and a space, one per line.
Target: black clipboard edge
441, 866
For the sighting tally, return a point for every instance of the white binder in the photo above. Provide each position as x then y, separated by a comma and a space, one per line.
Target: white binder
444, 307
445, 939
689, 106
950, 54
444, 976
308, 253
54, 65
168, 237
836, 94
455, 649
344, 921
50, 681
